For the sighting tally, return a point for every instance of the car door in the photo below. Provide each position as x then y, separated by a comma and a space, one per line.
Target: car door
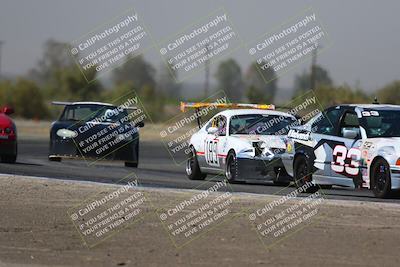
324, 136
346, 155
214, 143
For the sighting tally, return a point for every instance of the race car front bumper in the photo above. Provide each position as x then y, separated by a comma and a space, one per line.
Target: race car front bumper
262, 169
395, 176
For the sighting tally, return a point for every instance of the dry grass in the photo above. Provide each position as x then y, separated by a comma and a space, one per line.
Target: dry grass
31, 129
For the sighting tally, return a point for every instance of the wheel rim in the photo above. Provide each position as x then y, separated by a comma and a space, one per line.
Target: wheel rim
380, 177
190, 163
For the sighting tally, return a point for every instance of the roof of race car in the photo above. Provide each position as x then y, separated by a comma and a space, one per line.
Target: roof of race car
374, 106
234, 112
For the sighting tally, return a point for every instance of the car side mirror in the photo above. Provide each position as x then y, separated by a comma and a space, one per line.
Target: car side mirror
349, 133
140, 124
212, 130
8, 110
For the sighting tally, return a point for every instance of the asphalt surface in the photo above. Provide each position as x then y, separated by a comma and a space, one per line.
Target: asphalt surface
156, 169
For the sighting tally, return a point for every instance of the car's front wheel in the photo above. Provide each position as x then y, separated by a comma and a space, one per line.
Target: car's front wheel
56, 159
134, 163
9, 158
280, 183
232, 169
303, 176
381, 181
193, 171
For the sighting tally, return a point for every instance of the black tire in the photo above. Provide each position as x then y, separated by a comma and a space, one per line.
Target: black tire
381, 180
135, 163
303, 175
280, 183
9, 159
193, 171
56, 159
232, 169
325, 186
131, 164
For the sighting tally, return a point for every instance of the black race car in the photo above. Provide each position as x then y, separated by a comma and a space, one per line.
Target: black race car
94, 131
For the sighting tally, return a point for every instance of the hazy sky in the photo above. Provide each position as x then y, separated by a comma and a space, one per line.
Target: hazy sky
365, 35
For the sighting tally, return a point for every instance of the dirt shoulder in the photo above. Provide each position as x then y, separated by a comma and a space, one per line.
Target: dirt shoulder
36, 229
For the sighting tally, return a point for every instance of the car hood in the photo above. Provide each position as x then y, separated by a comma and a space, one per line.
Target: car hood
388, 147
383, 141
273, 141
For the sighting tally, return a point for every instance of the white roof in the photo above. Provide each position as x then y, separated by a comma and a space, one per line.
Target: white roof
234, 112
376, 106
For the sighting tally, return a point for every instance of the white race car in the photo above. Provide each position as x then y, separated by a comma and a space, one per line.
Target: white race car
348, 145
242, 144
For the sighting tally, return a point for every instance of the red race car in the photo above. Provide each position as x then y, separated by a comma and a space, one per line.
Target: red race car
8, 136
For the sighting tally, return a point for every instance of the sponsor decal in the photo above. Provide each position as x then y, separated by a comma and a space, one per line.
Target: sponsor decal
297, 135
370, 113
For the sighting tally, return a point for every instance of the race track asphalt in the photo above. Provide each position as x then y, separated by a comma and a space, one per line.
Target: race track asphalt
156, 169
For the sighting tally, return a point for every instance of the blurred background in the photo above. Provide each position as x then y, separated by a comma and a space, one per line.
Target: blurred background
36, 68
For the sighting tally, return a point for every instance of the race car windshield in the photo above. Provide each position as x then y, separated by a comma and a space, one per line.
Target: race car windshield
382, 123
260, 124
93, 112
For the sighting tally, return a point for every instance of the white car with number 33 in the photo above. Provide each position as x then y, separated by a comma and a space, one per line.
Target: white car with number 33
348, 145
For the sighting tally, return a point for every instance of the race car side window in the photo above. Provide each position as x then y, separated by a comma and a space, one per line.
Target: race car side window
349, 121
209, 124
212, 123
221, 125
325, 124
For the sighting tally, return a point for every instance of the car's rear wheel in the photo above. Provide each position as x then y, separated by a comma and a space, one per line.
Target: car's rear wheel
9, 158
131, 164
381, 181
193, 171
232, 169
303, 176
325, 186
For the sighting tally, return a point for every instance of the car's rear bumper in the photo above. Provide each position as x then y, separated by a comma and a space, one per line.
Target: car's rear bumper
262, 169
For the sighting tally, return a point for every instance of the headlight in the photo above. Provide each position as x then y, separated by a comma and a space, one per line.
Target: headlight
8, 130
65, 133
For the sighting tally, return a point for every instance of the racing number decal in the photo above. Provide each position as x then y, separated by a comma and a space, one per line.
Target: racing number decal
353, 155
340, 152
211, 152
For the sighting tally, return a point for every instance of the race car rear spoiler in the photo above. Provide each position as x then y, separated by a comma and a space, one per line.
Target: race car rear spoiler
199, 105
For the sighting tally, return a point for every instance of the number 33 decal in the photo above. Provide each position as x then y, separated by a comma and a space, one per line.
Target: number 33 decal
341, 153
